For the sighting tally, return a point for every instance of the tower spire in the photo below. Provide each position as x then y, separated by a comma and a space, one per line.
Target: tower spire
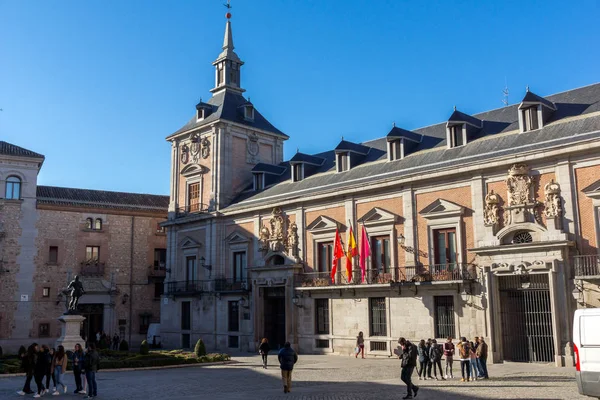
228, 63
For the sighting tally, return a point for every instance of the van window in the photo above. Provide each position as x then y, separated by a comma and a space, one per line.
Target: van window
590, 330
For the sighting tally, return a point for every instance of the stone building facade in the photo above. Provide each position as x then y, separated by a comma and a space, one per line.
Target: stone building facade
482, 225
112, 240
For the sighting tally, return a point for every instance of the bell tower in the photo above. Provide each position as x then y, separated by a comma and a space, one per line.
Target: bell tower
228, 64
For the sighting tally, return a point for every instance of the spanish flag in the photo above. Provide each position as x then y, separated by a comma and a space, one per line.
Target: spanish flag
351, 253
338, 253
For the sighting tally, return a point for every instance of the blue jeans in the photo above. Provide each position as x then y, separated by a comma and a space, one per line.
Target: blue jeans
474, 369
91, 379
58, 374
482, 364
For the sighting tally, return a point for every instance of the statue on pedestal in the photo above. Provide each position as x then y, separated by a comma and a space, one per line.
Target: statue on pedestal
76, 291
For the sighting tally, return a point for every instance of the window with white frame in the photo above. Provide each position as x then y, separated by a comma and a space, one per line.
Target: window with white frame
456, 135
297, 172
395, 150
444, 232
13, 188
239, 266
259, 181
343, 162
530, 118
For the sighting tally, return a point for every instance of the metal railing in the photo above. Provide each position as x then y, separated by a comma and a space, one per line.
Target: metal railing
198, 208
425, 273
185, 288
92, 268
587, 266
231, 285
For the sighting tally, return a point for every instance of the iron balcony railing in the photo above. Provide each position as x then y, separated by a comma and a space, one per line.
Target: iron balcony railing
186, 288
197, 208
157, 271
92, 268
427, 273
587, 266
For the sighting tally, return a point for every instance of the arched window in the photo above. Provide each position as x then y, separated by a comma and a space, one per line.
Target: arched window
88, 223
522, 237
98, 224
13, 188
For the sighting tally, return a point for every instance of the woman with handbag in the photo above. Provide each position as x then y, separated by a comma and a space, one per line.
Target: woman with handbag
360, 345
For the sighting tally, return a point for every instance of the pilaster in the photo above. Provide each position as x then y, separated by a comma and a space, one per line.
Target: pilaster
410, 226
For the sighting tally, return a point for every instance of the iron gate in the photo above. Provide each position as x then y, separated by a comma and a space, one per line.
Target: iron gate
526, 318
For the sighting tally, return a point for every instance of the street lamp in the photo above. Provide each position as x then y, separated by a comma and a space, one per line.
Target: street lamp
296, 301
401, 239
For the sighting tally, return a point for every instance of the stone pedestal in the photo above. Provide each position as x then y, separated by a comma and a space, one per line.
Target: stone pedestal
71, 331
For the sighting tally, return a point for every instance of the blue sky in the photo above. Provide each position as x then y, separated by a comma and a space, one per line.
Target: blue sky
96, 86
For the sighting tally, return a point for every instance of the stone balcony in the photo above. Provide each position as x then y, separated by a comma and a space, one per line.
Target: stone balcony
213, 286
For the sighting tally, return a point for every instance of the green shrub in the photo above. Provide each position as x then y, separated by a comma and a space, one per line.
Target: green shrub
124, 346
200, 349
144, 348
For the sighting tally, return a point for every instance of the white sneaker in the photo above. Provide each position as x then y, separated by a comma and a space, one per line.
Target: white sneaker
21, 393
57, 393
82, 392
37, 395
54, 389
65, 389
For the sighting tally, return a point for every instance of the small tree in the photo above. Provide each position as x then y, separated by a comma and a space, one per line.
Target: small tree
200, 349
124, 346
144, 348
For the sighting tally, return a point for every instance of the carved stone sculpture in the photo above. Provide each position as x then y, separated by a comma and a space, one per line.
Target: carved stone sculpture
552, 201
490, 214
518, 185
277, 230
293, 240
76, 290
205, 148
264, 239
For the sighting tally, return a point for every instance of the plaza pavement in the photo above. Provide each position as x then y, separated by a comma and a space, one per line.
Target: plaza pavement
318, 378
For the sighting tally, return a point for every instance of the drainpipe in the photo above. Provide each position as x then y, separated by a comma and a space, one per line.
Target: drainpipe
131, 281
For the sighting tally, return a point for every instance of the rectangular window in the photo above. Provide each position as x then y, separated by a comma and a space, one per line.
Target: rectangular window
445, 247
194, 197
46, 292
322, 343
144, 323
186, 317
259, 182
190, 268
92, 253
530, 119
220, 74
159, 289
239, 266
53, 255
343, 161
233, 316
377, 316
322, 316
377, 346
325, 256
444, 316
298, 172
380, 257
160, 258
456, 135
395, 149
44, 330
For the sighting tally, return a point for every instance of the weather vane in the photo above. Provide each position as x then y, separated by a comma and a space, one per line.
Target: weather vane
228, 6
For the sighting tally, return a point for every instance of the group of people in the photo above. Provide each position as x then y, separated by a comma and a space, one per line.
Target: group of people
42, 362
104, 341
287, 357
472, 356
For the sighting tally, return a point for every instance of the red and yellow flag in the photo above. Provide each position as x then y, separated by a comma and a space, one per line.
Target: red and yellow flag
351, 253
338, 253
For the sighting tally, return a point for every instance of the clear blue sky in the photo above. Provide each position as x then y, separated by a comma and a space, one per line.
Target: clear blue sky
96, 86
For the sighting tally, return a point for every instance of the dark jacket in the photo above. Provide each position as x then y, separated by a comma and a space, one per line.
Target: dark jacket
287, 358
449, 349
264, 348
91, 361
28, 362
482, 350
409, 355
80, 358
48, 357
422, 353
435, 353
41, 364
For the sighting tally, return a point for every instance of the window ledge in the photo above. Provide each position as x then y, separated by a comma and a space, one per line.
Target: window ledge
92, 230
160, 233
52, 264
13, 201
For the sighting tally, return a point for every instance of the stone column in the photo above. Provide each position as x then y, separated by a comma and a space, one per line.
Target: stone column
556, 325
488, 278
409, 226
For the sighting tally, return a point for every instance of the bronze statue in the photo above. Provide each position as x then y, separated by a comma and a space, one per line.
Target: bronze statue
76, 291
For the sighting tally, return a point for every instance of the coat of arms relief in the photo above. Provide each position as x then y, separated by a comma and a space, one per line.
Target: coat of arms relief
277, 238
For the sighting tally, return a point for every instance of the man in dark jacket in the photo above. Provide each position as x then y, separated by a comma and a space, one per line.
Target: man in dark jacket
91, 364
28, 365
287, 358
409, 362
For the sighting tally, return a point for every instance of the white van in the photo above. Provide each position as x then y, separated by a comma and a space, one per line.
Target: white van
586, 345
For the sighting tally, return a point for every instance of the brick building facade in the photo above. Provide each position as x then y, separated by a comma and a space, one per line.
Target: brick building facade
482, 225
48, 235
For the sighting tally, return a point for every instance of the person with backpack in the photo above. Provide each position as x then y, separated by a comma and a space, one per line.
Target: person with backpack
464, 352
28, 365
435, 359
59, 367
408, 363
287, 359
423, 359
449, 354
264, 351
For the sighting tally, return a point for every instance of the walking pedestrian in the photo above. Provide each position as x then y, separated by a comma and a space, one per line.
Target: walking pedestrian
264, 351
482, 353
59, 367
115, 342
465, 360
287, 358
423, 359
435, 359
77, 361
28, 366
449, 354
428, 351
473, 362
39, 372
48, 355
91, 364
408, 363
360, 345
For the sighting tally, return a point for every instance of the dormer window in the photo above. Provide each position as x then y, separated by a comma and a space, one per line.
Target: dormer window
259, 181
200, 114
530, 119
249, 112
456, 135
297, 172
342, 162
395, 150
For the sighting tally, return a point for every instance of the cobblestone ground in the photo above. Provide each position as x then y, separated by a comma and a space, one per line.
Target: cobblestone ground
319, 378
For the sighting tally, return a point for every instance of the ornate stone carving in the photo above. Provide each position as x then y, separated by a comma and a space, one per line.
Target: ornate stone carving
552, 201
277, 230
185, 154
205, 148
195, 147
518, 185
264, 239
292, 242
490, 214
252, 148
275, 238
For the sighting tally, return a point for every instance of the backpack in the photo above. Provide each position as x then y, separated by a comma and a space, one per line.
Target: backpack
465, 348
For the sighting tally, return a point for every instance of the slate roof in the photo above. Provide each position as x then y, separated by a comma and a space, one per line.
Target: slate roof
345, 145
101, 199
226, 105
458, 116
8, 149
269, 168
307, 158
403, 133
499, 136
534, 98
